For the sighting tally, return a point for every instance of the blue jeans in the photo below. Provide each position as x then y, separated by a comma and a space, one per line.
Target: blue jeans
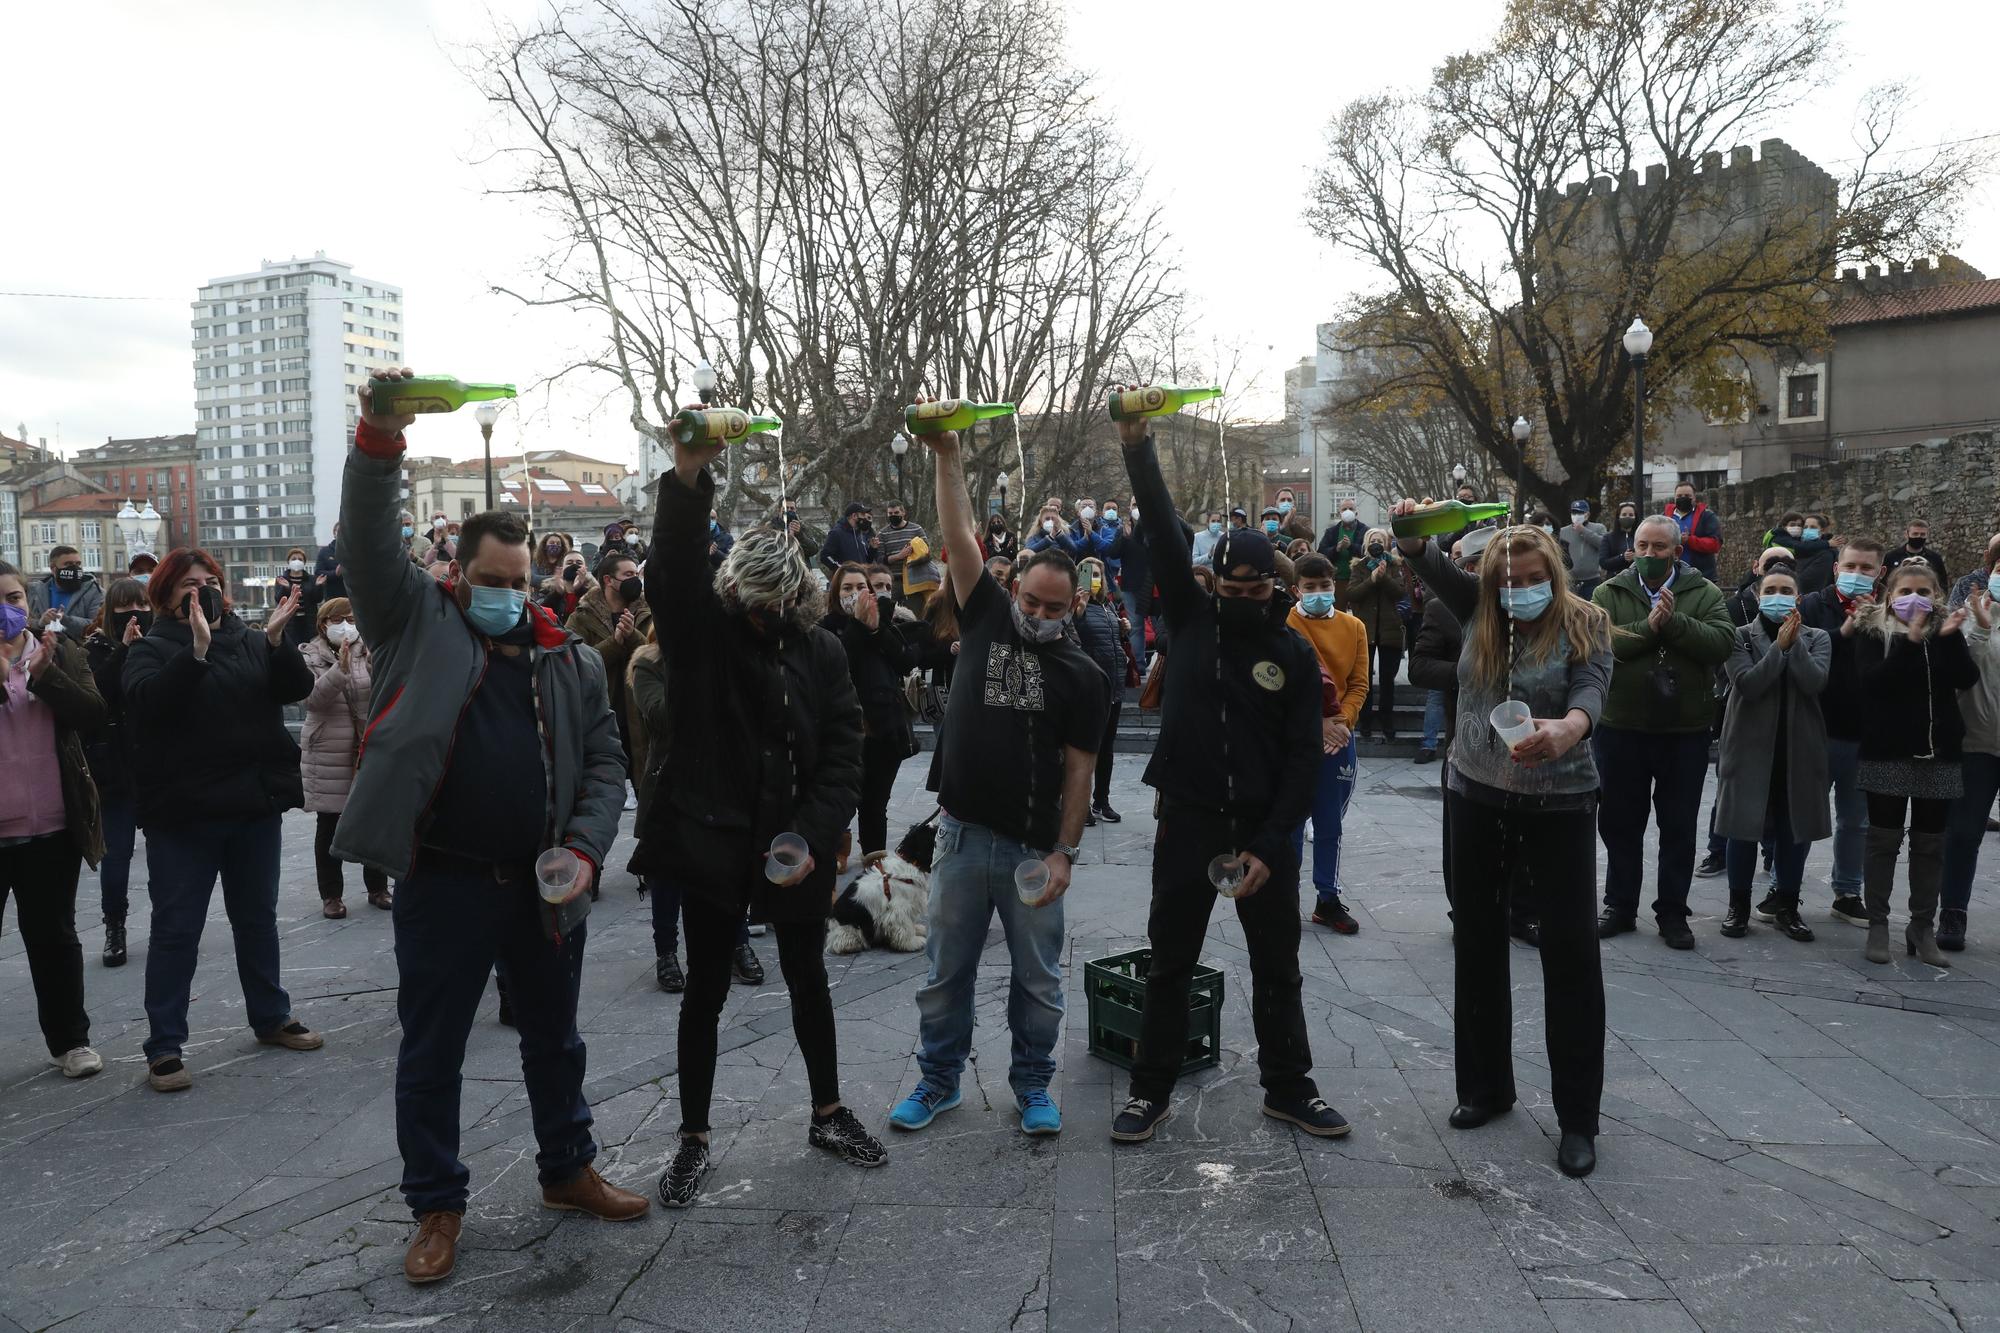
1966, 827
1850, 817
665, 897
1433, 721
1333, 788
114, 872
453, 922
183, 861
972, 877
1138, 623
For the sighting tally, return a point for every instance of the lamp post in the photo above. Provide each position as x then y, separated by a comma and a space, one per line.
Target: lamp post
488, 413
149, 532
899, 444
1457, 478
1000, 503
704, 381
1520, 431
1638, 344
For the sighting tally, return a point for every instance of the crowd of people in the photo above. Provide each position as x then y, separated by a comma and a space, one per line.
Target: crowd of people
482, 705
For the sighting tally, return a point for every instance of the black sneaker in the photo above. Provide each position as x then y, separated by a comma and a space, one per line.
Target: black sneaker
1336, 918
1788, 921
1136, 1123
1850, 908
847, 1138
682, 1179
506, 1009
114, 941
667, 971
1610, 922
1674, 933
1090, 819
1427, 755
1107, 814
747, 970
1311, 1114
1736, 922
1951, 930
1768, 909
1711, 866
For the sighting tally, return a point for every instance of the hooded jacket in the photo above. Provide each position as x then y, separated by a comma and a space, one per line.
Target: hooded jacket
596, 624
1664, 682
336, 715
76, 617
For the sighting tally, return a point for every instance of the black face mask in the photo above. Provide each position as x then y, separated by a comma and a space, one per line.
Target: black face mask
1375, 549
895, 520
69, 575
120, 619
574, 573
865, 525
791, 517
211, 603
1626, 520
1683, 502
1916, 543
1241, 615
631, 588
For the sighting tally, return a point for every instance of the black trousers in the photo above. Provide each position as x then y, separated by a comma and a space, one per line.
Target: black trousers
1638, 770
881, 756
41, 875
711, 943
1188, 839
1551, 852
1382, 690
328, 867
1101, 794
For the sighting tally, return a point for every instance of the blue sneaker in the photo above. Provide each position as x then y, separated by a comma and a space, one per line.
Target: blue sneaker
923, 1105
1039, 1114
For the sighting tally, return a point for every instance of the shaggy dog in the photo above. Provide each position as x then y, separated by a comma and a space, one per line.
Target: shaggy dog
885, 905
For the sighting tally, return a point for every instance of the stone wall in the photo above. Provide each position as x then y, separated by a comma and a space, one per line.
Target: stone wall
1953, 483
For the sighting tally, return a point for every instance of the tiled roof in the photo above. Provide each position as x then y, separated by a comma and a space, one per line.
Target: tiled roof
87, 503
1954, 298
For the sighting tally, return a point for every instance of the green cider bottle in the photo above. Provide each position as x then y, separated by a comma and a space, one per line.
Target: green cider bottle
950, 414
430, 393
1438, 519
719, 425
1158, 400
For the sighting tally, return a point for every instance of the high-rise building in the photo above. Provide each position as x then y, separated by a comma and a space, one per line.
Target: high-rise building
278, 353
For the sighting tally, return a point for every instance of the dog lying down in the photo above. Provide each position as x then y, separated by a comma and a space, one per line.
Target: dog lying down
886, 905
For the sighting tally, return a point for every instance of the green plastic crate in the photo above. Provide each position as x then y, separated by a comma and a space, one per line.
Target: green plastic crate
1116, 987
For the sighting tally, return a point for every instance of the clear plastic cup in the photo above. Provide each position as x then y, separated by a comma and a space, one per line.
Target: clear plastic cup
1513, 721
788, 853
1227, 873
1031, 880
555, 873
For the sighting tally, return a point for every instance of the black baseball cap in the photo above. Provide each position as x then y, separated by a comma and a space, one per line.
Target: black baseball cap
1247, 547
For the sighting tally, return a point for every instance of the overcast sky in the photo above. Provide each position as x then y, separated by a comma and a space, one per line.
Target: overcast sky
153, 146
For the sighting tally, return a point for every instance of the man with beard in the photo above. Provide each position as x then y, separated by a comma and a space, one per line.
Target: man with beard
1239, 750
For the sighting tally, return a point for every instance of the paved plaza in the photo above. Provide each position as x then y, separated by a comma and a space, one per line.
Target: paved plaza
1793, 1139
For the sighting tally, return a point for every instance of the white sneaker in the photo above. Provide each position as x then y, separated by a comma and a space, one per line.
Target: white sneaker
758, 931
1309, 830
631, 797
79, 1063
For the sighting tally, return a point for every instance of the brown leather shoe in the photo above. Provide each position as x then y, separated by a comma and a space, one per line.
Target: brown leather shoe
434, 1253
588, 1192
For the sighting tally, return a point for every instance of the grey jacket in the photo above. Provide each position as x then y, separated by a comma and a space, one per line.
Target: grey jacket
1980, 705
82, 608
1759, 677
427, 659
1582, 543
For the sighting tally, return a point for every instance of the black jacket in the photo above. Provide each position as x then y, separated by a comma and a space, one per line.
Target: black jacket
1097, 631
1814, 561
1911, 693
109, 748
1239, 720
1135, 562
208, 737
1928, 555
1841, 702
844, 546
1615, 552
877, 662
1434, 658
765, 733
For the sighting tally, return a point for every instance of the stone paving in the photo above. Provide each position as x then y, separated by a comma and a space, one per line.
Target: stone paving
1793, 1140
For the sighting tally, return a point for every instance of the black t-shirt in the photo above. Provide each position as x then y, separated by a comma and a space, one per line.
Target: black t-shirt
493, 801
1013, 708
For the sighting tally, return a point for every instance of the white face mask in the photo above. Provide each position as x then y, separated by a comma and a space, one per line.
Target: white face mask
341, 632
1048, 525
437, 525
296, 566
1347, 516
1135, 513
1088, 511
850, 600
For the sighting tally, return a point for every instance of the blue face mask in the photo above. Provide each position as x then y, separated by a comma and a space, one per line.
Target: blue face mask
1993, 584
494, 611
143, 579
1527, 603
1318, 605
1776, 605
1811, 534
1284, 506
1271, 526
408, 532
1854, 585
1215, 529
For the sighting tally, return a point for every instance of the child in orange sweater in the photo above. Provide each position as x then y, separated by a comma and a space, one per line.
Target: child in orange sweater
1341, 642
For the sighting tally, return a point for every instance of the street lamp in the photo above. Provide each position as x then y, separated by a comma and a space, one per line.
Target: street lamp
149, 531
1638, 343
1000, 504
1521, 430
488, 413
899, 444
704, 381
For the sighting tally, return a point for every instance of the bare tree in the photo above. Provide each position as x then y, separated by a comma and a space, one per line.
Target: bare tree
1508, 288
841, 204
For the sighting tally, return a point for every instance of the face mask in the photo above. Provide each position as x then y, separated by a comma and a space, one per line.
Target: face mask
1527, 603
494, 611
895, 520
867, 525
120, 619
1810, 533
1911, 605
1271, 527
1284, 506
1854, 585
1347, 516
1993, 584
1683, 502
438, 525
554, 550
849, 601
143, 579
631, 588
791, 518
1917, 543
210, 600
341, 631
1794, 531
1241, 615
296, 566
1776, 605
1318, 605
1652, 567
1215, 529
573, 573
69, 576
1375, 549
1135, 513
1110, 514
1088, 511
1626, 520
1049, 525
13, 621
408, 532
1034, 629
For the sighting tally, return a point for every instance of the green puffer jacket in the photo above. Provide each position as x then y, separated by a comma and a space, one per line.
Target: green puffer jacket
1665, 681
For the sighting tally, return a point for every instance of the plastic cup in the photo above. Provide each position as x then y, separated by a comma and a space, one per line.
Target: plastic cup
1513, 721
1227, 873
788, 853
555, 873
1031, 880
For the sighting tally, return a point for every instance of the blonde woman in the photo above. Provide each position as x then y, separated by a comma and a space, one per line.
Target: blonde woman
1102, 629
1525, 812
1378, 580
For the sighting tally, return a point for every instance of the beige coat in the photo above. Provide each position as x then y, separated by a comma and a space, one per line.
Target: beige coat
335, 720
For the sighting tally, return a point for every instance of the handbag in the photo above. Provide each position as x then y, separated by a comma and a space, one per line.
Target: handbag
926, 702
1156, 684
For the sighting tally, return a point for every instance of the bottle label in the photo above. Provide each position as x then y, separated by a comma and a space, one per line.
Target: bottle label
936, 411
1139, 402
419, 405
728, 425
